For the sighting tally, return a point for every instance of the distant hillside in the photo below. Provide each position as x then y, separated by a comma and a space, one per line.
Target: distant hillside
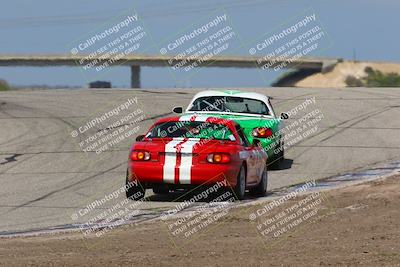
344, 74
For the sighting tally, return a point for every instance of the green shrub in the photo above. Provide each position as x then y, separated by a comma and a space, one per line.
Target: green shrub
352, 81
4, 85
376, 78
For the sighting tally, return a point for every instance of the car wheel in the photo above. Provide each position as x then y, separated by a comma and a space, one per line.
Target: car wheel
240, 187
134, 192
261, 189
161, 189
276, 160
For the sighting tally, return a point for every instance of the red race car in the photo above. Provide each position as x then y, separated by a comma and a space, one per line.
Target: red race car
188, 151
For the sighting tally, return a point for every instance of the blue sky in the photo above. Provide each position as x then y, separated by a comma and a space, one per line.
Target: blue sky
50, 27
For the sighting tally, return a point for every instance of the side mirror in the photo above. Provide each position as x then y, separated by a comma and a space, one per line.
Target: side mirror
178, 110
256, 142
284, 116
139, 138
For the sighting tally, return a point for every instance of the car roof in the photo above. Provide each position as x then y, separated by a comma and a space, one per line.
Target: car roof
233, 93
200, 118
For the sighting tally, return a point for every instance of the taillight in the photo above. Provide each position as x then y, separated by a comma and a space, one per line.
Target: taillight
139, 155
218, 158
262, 132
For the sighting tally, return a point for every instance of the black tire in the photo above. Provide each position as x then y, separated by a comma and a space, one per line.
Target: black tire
240, 187
275, 163
161, 189
133, 191
261, 189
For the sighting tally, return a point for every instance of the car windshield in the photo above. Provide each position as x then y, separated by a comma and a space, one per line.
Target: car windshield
191, 129
230, 104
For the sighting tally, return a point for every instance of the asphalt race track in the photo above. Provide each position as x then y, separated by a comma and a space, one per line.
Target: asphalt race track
45, 177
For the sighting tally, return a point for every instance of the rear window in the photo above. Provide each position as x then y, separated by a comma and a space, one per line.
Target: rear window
191, 129
230, 104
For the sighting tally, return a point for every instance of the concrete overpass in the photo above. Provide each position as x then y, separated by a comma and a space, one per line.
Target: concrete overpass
136, 61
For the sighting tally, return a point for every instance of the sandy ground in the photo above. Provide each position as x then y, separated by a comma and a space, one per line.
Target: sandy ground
337, 77
354, 226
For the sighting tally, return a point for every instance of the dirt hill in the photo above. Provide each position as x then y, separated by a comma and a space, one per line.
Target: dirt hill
337, 76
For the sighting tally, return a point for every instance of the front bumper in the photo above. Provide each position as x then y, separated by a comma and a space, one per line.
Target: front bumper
204, 173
